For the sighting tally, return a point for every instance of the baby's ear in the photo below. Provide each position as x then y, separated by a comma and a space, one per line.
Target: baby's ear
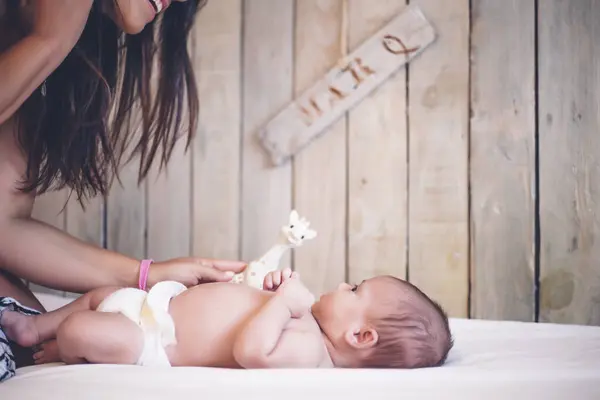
362, 338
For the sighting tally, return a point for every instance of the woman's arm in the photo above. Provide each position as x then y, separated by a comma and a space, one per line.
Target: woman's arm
47, 256
40, 253
44, 255
56, 27
23, 67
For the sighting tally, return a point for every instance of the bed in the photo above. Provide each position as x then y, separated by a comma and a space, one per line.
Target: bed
490, 360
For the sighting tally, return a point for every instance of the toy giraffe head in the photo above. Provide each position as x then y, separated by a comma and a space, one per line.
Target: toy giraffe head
297, 230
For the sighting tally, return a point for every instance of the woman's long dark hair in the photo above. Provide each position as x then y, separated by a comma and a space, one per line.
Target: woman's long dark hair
77, 129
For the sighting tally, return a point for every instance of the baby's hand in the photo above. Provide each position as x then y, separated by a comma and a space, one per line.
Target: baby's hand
296, 296
274, 279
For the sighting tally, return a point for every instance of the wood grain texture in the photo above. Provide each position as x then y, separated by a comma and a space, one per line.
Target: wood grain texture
267, 88
377, 164
502, 160
126, 214
569, 100
320, 170
438, 186
216, 148
169, 209
126, 204
50, 208
86, 224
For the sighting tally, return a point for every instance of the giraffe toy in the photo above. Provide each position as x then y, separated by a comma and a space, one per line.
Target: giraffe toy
294, 234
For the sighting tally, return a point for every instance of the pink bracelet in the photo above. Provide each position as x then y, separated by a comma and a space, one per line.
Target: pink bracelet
144, 268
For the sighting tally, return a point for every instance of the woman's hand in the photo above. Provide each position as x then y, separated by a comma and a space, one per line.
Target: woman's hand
193, 271
55, 28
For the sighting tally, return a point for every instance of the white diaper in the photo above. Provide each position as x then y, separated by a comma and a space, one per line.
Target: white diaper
150, 311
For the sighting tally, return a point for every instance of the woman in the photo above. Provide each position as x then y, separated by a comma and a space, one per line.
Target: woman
64, 66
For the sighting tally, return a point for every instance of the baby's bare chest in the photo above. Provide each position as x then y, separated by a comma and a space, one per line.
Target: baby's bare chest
207, 322
217, 306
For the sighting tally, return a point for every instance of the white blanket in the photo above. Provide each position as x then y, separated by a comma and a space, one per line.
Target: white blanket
490, 360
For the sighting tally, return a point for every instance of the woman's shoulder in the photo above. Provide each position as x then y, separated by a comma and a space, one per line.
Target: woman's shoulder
10, 150
13, 165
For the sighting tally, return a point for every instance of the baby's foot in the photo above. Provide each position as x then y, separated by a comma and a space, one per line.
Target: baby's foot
19, 328
48, 353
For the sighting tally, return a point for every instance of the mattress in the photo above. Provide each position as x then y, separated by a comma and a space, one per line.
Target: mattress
490, 360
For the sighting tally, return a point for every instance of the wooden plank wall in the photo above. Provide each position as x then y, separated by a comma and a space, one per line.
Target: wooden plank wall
472, 172
502, 159
569, 147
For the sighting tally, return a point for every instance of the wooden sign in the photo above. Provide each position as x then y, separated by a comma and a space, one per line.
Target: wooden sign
345, 85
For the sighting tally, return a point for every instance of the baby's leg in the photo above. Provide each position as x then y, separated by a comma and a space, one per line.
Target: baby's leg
30, 330
95, 337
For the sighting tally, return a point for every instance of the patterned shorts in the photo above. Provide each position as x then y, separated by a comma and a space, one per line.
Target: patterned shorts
7, 347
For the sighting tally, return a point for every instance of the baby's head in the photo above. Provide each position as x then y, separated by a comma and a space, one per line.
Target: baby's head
384, 322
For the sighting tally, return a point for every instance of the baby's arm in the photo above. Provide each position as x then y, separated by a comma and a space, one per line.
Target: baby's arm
267, 342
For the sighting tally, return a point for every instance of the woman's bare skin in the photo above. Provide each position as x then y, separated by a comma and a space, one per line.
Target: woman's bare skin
10, 286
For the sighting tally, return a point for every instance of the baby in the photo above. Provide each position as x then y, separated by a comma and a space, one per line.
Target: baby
383, 322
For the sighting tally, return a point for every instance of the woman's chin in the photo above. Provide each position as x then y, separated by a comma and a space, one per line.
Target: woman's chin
133, 29
130, 20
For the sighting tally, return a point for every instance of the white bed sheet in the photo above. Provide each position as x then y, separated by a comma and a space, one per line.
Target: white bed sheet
490, 360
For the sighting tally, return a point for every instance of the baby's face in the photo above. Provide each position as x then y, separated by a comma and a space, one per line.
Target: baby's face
347, 307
